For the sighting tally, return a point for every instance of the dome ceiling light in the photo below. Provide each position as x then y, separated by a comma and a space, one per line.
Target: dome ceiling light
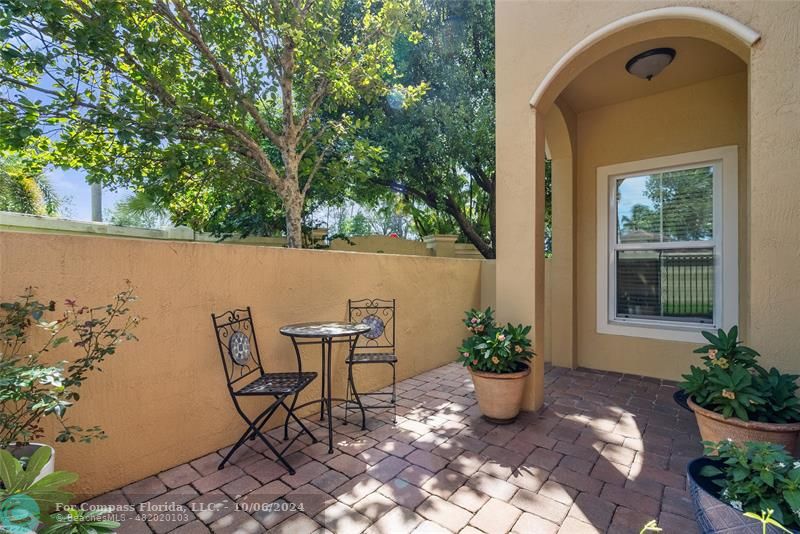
650, 63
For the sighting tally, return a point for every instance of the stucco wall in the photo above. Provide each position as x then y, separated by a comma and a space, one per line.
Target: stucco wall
696, 117
532, 37
381, 244
163, 400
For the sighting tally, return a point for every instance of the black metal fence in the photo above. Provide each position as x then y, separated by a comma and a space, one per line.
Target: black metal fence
665, 284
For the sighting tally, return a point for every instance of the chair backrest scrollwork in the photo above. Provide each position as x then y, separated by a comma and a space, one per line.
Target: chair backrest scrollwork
379, 315
238, 345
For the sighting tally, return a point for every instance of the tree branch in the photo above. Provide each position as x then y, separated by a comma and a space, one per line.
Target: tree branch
192, 34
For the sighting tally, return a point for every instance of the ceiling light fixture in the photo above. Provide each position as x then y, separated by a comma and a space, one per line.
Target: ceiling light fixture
650, 63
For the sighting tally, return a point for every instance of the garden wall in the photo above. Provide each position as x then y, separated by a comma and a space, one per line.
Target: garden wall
162, 400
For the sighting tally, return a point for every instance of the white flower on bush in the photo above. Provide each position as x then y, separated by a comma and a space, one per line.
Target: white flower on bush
725, 493
737, 505
796, 465
781, 465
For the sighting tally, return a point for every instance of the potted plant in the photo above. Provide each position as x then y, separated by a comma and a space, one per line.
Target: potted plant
28, 496
735, 398
32, 389
497, 358
735, 489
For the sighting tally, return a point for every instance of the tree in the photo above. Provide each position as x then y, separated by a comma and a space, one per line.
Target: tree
139, 210
679, 208
187, 98
23, 191
441, 151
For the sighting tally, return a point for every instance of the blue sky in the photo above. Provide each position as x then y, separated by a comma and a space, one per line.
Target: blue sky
632, 191
76, 192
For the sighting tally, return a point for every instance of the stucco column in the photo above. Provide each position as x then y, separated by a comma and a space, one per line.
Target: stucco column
441, 245
520, 230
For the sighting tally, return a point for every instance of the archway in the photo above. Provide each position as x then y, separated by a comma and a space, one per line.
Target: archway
546, 127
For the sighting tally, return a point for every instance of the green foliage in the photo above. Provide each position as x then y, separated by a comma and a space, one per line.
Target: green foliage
765, 518
440, 152
492, 348
733, 384
651, 526
139, 210
73, 520
680, 204
757, 477
190, 99
30, 389
19, 482
26, 190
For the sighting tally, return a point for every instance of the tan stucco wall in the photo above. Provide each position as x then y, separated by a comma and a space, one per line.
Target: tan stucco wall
381, 244
531, 38
163, 400
696, 117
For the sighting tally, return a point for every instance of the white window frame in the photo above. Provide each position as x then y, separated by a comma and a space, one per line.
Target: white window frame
725, 242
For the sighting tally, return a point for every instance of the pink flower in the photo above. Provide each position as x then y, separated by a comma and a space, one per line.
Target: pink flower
501, 337
475, 362
474, 320
466, 354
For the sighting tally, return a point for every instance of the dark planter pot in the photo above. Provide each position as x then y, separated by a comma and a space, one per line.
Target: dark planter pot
681, 398
713, 515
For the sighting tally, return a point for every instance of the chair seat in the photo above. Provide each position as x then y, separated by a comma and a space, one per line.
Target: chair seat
373, 357
277, 384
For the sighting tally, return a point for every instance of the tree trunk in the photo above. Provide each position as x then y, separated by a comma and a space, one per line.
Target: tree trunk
294, 220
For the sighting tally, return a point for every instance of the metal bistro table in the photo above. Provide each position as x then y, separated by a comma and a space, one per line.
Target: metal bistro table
326, 334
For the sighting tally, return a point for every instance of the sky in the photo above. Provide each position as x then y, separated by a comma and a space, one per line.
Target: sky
632, 191
72, 187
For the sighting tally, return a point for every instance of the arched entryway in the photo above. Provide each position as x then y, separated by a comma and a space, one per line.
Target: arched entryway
587, 112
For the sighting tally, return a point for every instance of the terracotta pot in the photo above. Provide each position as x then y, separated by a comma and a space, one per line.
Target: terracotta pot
500, 395
715, 427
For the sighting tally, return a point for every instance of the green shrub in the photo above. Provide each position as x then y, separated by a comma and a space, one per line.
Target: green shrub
733, 384
492, 348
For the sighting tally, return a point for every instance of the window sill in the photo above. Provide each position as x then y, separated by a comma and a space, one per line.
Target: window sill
653, 330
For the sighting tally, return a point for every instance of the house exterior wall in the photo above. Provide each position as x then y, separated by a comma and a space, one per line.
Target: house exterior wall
163, 400
531, 38
696, 117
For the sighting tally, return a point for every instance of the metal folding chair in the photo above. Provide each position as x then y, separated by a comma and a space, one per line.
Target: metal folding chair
245, 374
374, 347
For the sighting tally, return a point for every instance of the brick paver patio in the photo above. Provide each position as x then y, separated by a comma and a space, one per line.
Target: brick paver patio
606, 454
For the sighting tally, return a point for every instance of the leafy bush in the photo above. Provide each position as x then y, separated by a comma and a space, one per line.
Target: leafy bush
733, 384
31, 389
492, 348
33, 498
757, 477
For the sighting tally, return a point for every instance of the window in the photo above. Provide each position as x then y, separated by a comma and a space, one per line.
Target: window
667, 245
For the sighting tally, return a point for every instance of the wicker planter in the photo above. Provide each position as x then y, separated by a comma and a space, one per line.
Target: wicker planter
500, 395
715, 427
712, 514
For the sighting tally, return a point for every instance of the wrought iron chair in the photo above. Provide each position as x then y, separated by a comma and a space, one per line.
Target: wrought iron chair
374, 347
241, 359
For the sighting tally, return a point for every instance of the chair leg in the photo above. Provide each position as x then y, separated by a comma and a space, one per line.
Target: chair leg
299, 422
394, 392
348, 393
358, 399
288, 414
279, 401
322, 394
253, 429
